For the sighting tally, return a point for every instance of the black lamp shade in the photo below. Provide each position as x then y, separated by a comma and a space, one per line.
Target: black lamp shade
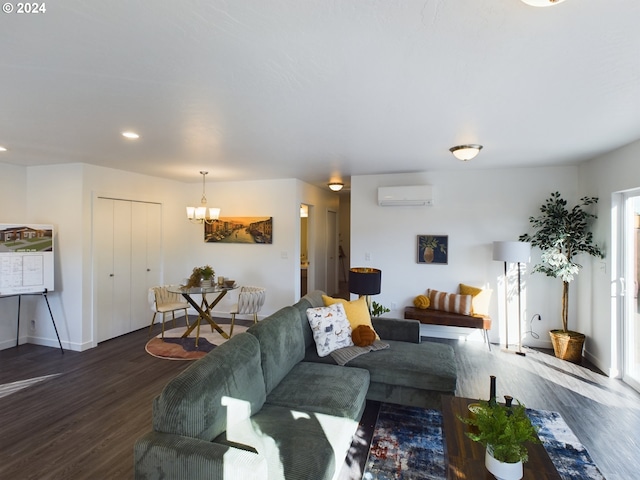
365, 281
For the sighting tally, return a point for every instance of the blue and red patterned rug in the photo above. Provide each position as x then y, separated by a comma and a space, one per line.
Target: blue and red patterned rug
408, 444
174, 347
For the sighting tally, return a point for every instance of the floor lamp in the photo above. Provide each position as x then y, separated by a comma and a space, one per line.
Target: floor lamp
365, 282
512, 252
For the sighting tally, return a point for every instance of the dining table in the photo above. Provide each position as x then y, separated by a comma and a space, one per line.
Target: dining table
204, 308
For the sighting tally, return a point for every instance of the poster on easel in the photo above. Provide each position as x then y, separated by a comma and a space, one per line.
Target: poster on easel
26, 258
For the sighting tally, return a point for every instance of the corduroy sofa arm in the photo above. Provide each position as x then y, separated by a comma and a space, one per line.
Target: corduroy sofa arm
163, 455
397, 329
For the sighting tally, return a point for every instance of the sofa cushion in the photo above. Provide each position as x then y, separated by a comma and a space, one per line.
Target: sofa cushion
328, 389
426, 365
310, 300
192, 403
421, 366
330, 327
302, 445
302, 305
281, 344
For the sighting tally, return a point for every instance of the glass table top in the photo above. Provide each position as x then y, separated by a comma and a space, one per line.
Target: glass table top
199, 290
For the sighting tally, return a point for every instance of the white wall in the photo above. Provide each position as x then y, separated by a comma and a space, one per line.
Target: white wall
320, 203
275, 266
63, 195
55, 197
345, 235
474, 208
602, 177
13, 208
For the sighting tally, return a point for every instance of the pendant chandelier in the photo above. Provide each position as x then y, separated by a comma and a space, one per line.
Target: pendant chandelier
203, 214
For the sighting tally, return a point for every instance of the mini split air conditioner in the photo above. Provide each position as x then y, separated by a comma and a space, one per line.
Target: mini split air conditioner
414, 196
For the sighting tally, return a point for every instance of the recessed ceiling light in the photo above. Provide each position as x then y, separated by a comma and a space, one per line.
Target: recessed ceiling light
130, 135
2, 149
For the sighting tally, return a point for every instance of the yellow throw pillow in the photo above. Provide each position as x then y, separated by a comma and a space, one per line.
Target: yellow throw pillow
421, 302
357, 311
480, 301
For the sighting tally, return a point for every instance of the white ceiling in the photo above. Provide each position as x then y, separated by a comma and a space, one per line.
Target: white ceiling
317, 89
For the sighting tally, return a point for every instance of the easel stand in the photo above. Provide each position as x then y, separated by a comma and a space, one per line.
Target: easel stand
44, 294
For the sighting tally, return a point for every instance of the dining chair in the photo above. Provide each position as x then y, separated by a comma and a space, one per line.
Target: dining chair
250, 301
164, 302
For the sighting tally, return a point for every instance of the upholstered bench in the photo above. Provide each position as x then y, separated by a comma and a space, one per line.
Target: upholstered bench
430, 316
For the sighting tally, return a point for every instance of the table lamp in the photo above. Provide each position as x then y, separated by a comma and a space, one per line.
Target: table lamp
365, 281
512, 252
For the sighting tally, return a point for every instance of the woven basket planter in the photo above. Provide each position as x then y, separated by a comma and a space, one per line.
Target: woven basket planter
567, 345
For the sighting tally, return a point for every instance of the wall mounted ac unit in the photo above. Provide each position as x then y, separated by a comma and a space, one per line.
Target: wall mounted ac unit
414, 196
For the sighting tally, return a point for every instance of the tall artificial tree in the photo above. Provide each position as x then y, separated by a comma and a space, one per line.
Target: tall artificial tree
562, 234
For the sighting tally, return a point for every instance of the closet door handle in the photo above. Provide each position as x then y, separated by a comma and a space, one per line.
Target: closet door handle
111, 275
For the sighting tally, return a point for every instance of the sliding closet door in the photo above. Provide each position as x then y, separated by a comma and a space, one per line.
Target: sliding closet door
145, 260
112, 227
128, 250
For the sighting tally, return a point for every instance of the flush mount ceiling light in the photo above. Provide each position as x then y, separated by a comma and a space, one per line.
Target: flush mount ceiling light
3, 149
542, 3
203, 214
130, 135
465, 152
336, 186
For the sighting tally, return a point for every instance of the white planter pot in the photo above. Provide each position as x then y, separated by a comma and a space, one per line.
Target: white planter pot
500, 470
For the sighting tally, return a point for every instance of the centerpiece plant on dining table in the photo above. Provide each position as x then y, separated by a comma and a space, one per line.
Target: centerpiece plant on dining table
198, 274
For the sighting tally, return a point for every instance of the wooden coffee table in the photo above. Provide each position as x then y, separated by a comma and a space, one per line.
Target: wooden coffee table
465, 458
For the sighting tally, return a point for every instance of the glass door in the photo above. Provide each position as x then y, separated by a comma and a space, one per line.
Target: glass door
631, 324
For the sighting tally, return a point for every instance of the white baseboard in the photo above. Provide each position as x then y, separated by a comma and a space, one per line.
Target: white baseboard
53, 342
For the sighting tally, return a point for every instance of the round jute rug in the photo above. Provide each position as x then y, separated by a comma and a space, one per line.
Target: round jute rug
173, 347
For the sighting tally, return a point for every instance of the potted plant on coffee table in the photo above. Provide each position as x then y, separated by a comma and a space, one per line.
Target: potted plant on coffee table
562, 234
504, 431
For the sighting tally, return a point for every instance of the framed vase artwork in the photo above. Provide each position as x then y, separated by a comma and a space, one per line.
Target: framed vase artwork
433, 249
239, 230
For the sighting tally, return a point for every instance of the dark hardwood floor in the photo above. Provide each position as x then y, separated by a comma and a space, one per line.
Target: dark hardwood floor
82, 423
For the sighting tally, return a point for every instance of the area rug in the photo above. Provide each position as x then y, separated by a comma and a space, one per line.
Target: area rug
408, 444
173, 347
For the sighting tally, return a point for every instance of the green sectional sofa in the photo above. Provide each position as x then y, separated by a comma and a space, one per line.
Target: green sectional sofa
262, 406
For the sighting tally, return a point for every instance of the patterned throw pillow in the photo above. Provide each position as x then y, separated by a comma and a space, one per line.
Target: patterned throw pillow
330, 327
450, 302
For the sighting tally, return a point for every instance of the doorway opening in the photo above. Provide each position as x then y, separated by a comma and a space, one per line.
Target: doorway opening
630, 331
304, 249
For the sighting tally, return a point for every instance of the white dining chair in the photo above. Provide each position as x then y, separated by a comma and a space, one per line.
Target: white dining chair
164, 302
250, 301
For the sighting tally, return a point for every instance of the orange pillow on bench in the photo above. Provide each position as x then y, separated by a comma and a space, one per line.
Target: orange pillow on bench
450, 302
